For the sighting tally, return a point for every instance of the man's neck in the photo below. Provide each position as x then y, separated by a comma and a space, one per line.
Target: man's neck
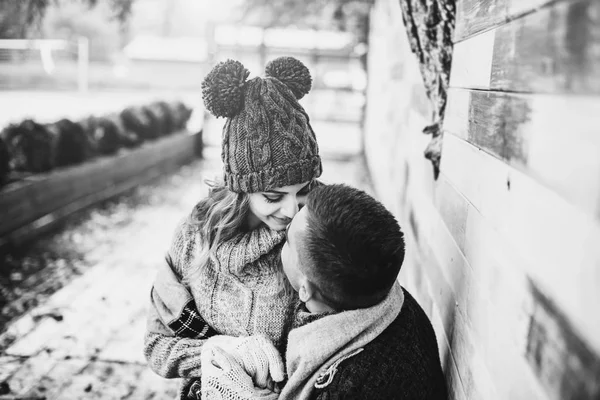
317, 307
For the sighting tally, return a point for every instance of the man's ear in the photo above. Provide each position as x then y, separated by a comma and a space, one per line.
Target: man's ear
307, 290
303, 294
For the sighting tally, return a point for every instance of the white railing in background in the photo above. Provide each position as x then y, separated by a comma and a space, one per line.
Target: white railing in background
21, 60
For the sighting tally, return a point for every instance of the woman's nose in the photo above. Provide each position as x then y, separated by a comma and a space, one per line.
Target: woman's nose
290, 207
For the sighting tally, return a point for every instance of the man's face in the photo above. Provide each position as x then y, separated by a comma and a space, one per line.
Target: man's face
277, 207
292, 251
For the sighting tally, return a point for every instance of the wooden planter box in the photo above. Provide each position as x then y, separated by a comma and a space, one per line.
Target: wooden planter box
42, 200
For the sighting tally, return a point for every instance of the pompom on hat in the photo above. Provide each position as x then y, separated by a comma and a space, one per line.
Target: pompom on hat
267, 138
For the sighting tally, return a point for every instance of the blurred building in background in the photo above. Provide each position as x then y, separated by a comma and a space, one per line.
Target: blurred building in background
165, 48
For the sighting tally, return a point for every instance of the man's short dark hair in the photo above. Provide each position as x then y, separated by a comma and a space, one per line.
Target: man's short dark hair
354, 246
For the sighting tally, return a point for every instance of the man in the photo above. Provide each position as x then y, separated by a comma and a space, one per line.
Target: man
357, 334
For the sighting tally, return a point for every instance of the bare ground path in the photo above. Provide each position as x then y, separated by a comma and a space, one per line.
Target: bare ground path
74, 328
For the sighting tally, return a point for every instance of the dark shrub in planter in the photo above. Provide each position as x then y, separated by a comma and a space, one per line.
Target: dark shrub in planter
170, 116
71, 144
141, 121
4, 162
106, 134
154, 128
127, 138
136, 121
89, 125
30, 145
181, 114
164, 116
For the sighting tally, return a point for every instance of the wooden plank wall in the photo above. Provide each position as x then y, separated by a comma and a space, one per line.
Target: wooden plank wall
503, 249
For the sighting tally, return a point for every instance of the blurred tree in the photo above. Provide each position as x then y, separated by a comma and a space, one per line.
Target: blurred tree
69, 20
20, 19
16, 17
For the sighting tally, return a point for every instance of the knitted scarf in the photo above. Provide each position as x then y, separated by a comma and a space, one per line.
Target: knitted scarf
315, 347
247, 264
239, 253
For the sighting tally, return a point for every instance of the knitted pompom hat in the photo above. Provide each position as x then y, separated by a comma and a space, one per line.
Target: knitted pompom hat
267, 139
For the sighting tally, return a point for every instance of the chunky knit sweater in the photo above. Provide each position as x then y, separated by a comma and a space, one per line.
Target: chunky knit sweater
401, 363
239, 295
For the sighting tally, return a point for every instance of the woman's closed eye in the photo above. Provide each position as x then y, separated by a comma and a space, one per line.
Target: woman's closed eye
272, 198
276, 197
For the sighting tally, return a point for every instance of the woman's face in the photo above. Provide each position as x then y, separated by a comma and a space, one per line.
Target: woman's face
277, 207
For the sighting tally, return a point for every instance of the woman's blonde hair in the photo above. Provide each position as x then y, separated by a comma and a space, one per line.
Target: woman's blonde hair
218, 217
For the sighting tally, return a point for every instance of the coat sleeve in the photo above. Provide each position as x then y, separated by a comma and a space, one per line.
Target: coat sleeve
171, 356
175, 331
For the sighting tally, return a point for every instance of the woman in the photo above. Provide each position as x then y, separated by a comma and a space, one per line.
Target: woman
227, 253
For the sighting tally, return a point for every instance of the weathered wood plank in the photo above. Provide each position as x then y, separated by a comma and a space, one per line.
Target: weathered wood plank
532, 219
456, 389
489, 299
442, 265
438, 300
555, 350
472, 62
448, 276
553, 139
499, 311
474, 374
453, 210
501, 290
474, 16
554, 50
499, 308
441, 240
498, 317
521, 359
442, 339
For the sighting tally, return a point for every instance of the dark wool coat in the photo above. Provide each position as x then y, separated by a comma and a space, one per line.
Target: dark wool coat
401, 363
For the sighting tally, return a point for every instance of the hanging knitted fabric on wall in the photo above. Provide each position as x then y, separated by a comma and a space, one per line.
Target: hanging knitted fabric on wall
430, 26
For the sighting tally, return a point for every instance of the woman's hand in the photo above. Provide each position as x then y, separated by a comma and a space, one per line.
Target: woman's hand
255, 355
247, 370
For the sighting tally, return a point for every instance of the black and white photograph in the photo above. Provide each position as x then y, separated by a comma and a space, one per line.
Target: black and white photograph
300, 199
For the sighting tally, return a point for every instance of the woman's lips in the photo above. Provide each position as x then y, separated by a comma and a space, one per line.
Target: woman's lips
283, 221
